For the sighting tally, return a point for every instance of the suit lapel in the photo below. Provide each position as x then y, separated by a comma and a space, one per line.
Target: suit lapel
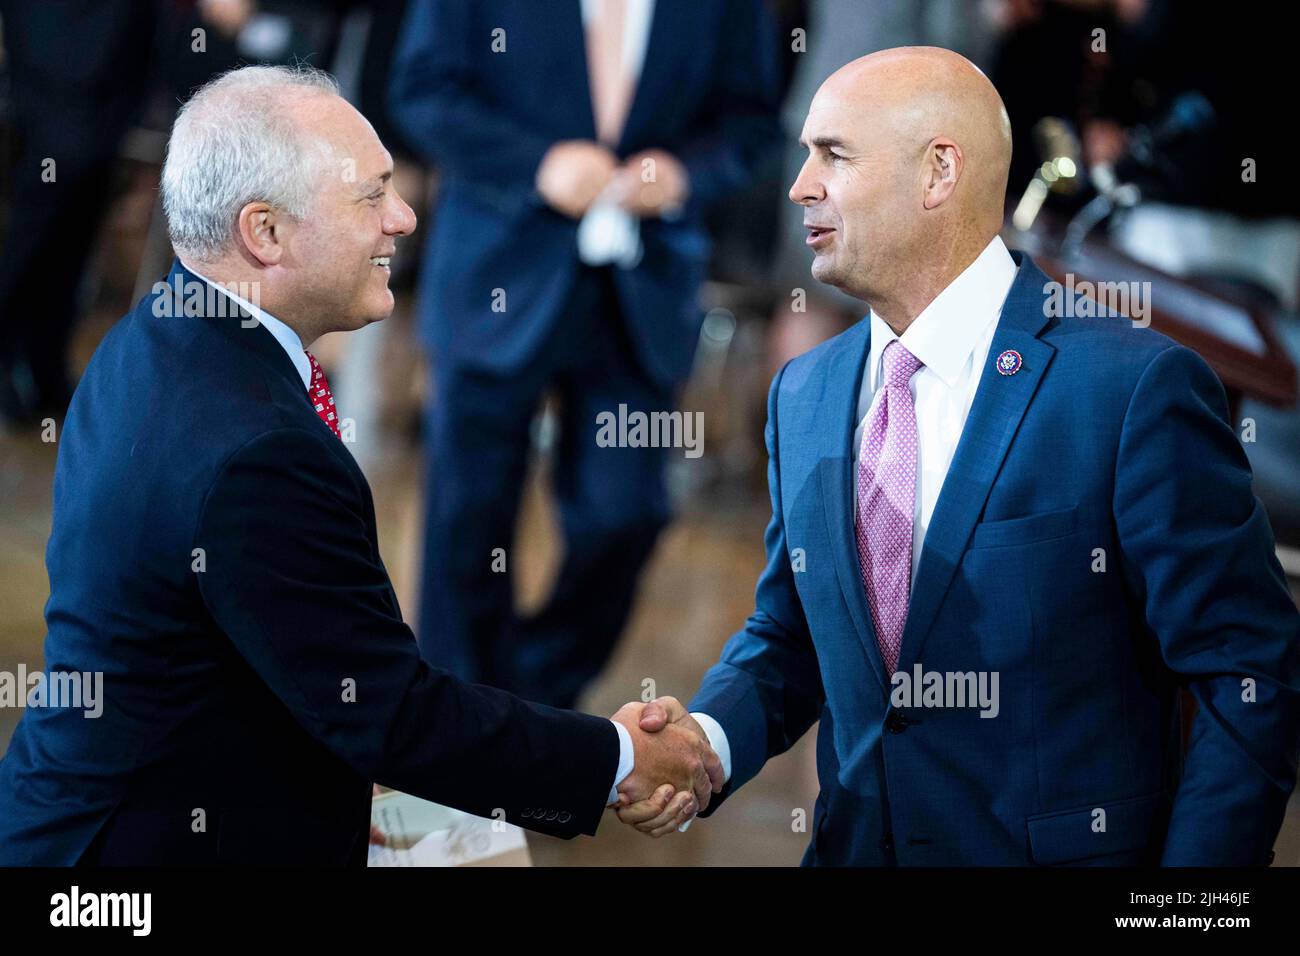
835, 462
664, 45
570, 62
190, 297
658, 72
1000, 404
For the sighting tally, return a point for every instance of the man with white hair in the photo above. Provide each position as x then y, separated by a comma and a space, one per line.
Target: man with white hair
214, 554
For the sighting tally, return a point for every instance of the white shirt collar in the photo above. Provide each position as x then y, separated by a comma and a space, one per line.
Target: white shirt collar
286, 336
944, 335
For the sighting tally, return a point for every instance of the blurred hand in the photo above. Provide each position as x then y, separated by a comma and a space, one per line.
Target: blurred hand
670, 762
667, 808
572, 174
1104, 141
651, 183
228, 16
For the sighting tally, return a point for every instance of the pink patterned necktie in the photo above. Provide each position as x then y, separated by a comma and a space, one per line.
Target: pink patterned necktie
886, 489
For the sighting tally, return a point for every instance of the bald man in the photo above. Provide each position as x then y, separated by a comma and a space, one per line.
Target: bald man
1000, 540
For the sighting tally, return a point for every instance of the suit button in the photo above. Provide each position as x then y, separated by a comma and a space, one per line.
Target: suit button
565, 816
895, 723
552, 814
887, 842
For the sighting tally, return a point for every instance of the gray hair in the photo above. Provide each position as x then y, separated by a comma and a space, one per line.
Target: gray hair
235, 142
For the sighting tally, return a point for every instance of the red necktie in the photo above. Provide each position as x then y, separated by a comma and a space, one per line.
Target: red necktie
322, 399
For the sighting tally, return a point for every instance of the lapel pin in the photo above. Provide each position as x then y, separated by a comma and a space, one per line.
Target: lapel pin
1009, 362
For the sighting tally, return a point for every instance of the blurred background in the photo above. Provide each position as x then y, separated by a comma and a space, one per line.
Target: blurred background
1151, 142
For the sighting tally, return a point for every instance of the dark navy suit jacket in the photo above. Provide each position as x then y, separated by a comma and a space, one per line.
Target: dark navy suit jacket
214, 554
707, 94
1109, 437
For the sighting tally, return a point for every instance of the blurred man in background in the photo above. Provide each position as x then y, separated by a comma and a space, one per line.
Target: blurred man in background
77, 71
580, 142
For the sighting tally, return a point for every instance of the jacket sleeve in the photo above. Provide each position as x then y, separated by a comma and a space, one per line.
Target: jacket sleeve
436, 101
1198, 552
766, 691
293, 580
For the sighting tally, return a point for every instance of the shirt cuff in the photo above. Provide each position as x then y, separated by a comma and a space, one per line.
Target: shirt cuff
626, 759
718, 741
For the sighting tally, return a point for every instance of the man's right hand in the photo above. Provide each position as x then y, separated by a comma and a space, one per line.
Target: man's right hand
573, 173
667, 807
669, 760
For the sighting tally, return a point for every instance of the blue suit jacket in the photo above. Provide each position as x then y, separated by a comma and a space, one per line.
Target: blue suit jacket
267, 678
1109, 438
708, 95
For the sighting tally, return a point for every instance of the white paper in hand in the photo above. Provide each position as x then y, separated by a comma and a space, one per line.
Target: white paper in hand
421, 833
609, 235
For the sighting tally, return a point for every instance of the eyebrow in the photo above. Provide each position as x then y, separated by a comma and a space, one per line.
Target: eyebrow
825, 142
374, 181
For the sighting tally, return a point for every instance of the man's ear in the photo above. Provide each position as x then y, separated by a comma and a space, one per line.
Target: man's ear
944, 162
261, 230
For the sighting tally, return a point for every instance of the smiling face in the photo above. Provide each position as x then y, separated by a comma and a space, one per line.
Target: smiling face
338, 254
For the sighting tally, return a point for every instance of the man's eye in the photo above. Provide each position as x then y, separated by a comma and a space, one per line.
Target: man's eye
375, 197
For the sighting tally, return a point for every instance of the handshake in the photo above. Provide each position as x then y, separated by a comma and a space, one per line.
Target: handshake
675, 769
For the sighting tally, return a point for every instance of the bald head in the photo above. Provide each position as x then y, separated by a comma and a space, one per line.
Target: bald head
922, 94
907, 172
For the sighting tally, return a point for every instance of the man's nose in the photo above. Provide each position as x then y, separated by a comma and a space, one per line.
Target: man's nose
806, 188
402, 220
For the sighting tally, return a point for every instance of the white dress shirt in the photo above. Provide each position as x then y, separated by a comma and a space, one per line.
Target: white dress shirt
292, 345
952, 337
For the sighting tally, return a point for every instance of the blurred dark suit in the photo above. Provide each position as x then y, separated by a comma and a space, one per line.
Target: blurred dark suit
77, 70
599, 337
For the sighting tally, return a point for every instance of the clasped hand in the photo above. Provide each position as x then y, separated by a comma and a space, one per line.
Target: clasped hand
675, 770
574, 173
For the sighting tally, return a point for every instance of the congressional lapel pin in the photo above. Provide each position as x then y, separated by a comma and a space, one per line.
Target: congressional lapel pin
1009, 362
